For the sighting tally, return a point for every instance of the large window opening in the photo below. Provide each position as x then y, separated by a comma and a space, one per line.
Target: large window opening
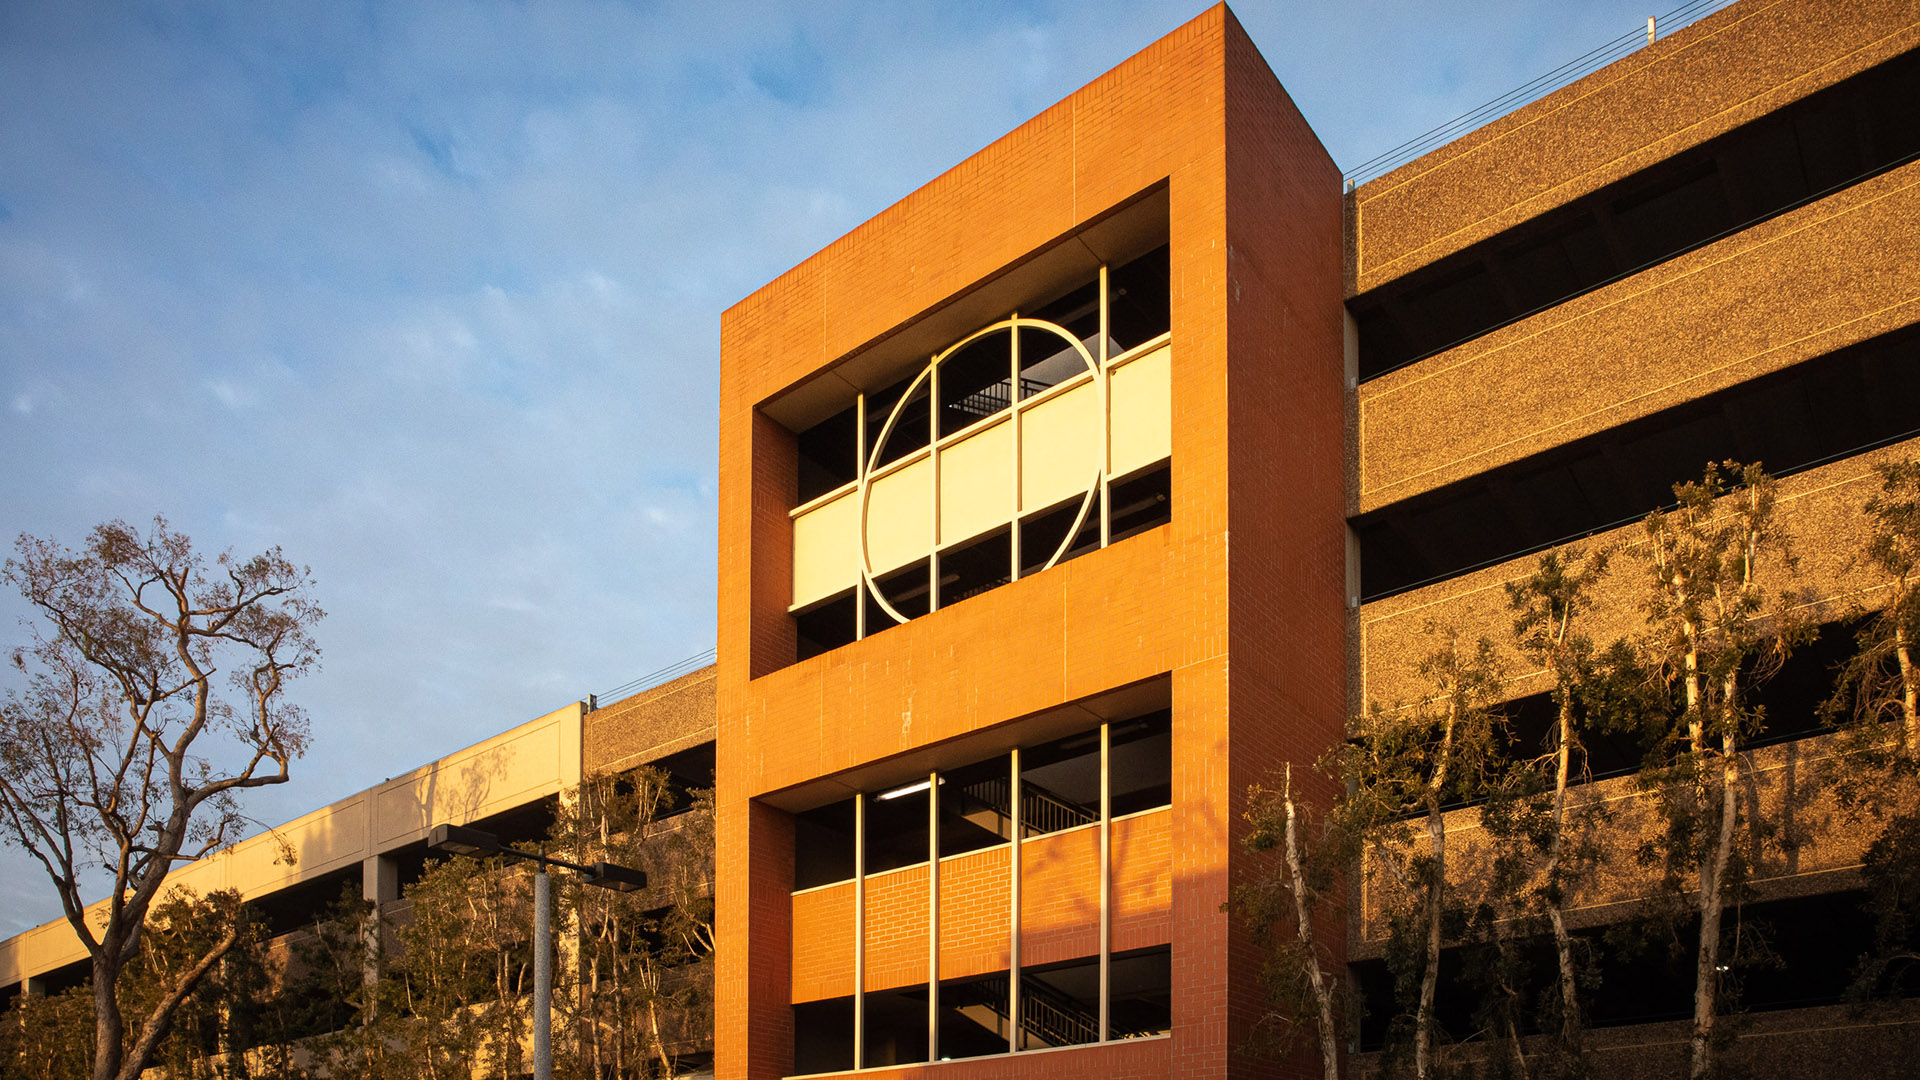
1142, 995
1043, 535
1840, 136
1060, 784
973, 1016
1817, 411
895, 1027
1781, 954
897, 827
1140, 763
1141, 502
1060, 1004
1059, 789
975, 807
971, 808
1030, 442
823, 1036
687, 771
823, 845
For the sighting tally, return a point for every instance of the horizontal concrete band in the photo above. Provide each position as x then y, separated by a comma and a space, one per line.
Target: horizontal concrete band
1826, 276
1780, 786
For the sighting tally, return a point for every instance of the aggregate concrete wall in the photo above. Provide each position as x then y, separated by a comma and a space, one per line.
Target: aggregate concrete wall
1738, 64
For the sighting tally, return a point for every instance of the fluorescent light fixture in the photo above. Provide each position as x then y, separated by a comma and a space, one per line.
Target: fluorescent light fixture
908, 790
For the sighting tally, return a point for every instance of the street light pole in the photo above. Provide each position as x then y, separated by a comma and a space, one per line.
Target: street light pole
542, 976
461, 840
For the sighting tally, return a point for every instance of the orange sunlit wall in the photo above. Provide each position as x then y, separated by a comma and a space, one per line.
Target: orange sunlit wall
1249, 637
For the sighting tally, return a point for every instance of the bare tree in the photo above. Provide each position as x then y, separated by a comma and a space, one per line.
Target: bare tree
1299, 979
154, 691
1717, 632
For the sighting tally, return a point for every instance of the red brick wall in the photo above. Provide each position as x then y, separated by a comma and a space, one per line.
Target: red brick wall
1060, 896
1287, 571
897, 928
823, 943
973, 913
1142, 881
1246, 633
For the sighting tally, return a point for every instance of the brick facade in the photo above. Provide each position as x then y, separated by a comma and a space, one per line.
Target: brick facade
1257, 373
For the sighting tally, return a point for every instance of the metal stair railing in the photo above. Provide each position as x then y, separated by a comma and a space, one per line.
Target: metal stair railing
1042, 811
1045, 1013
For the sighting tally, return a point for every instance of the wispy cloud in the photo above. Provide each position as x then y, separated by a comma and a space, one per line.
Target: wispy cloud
428, 293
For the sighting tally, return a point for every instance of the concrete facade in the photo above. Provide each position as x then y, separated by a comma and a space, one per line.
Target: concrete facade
376, 837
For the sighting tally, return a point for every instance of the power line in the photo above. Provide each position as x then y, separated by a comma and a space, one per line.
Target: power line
1532, 91
654, 678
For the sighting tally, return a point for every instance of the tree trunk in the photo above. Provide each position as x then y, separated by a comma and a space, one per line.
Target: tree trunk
1430, 974
1437, 833
147, 1041
1562, 941
1909, 688
1322, 994
1514, 1046
108, 1023
1713, 871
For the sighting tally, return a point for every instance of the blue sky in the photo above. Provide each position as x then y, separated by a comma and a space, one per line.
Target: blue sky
429, 293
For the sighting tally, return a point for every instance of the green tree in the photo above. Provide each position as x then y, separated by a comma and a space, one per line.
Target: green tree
636, 985
1409, 764
1876, 766
208, 1033
49, 1036
463, 961
155, 692
1718, 633
1549, 606
326, 1003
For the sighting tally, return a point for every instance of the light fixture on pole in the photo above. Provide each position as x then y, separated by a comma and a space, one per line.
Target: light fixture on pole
462, 840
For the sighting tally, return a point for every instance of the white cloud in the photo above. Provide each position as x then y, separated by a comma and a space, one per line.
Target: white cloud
436, 294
